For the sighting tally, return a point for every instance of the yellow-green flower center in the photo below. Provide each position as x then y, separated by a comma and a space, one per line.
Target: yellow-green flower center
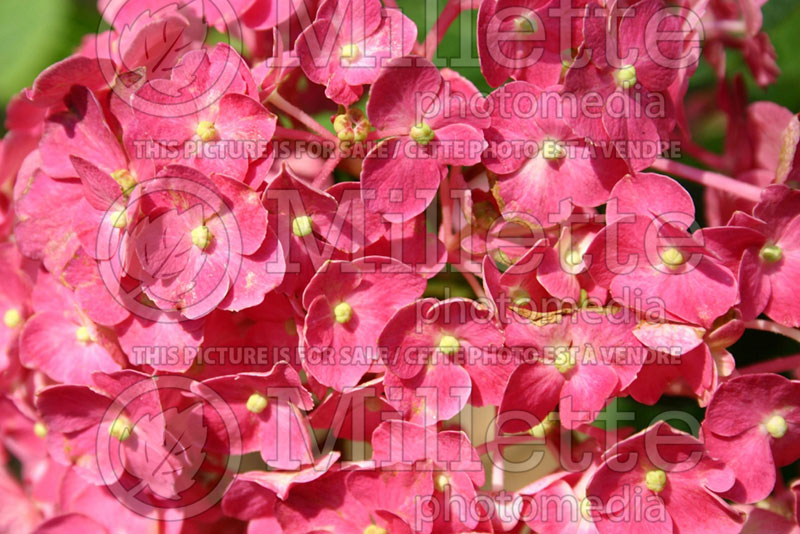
449, 345
119, 219
83, 335
422, 134
39, 430
350, 52
343, 312
520, 297
542, 429
565, 360
301, 226
375, 529
553, 150
125, 180
573, 257
523, 24
121, 428
441, 482
771, 254
655, 480
776, 426
672, 257
206, 131
257, 403
625, 76
201, 237
586, 509
12, 318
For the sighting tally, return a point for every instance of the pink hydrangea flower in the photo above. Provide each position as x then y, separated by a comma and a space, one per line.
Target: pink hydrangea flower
266, 406
204, 116
440, 355
75, 416
561, 167
428, 123
348, 43
762, 250
356, 413
190, 248
456, 467
327, 503
577, 362
648, 260
754, 417
524, 40
680, 362
349, 304
61, 341
753, 145
663, 480
631, 68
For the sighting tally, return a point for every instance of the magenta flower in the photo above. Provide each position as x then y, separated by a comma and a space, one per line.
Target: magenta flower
302, 217
203, 116
252, 496
753, 145
754, 416
77, 419
441, 355
632, 67
577, 362
428, 123
82, 132
190, 248
327, 503
61, 341
349, 304
668, 486
522, 39
266, 406
680, 361
647, 259
455, 465
44, 210
356, 413
762, 250
561, 166
349, 42
517, 288
15, 301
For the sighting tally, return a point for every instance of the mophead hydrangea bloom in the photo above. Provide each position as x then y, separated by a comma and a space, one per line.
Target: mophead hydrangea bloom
393, 267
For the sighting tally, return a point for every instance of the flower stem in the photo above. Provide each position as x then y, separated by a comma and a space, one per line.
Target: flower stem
706, 157
446, 201
778, 365
290, 109
517, 439
709, 179
448, 15
498, 465
297, 135
327, 169
775, 328
476, 286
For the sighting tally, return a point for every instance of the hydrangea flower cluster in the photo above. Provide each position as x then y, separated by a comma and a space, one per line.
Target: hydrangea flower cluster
222, 315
